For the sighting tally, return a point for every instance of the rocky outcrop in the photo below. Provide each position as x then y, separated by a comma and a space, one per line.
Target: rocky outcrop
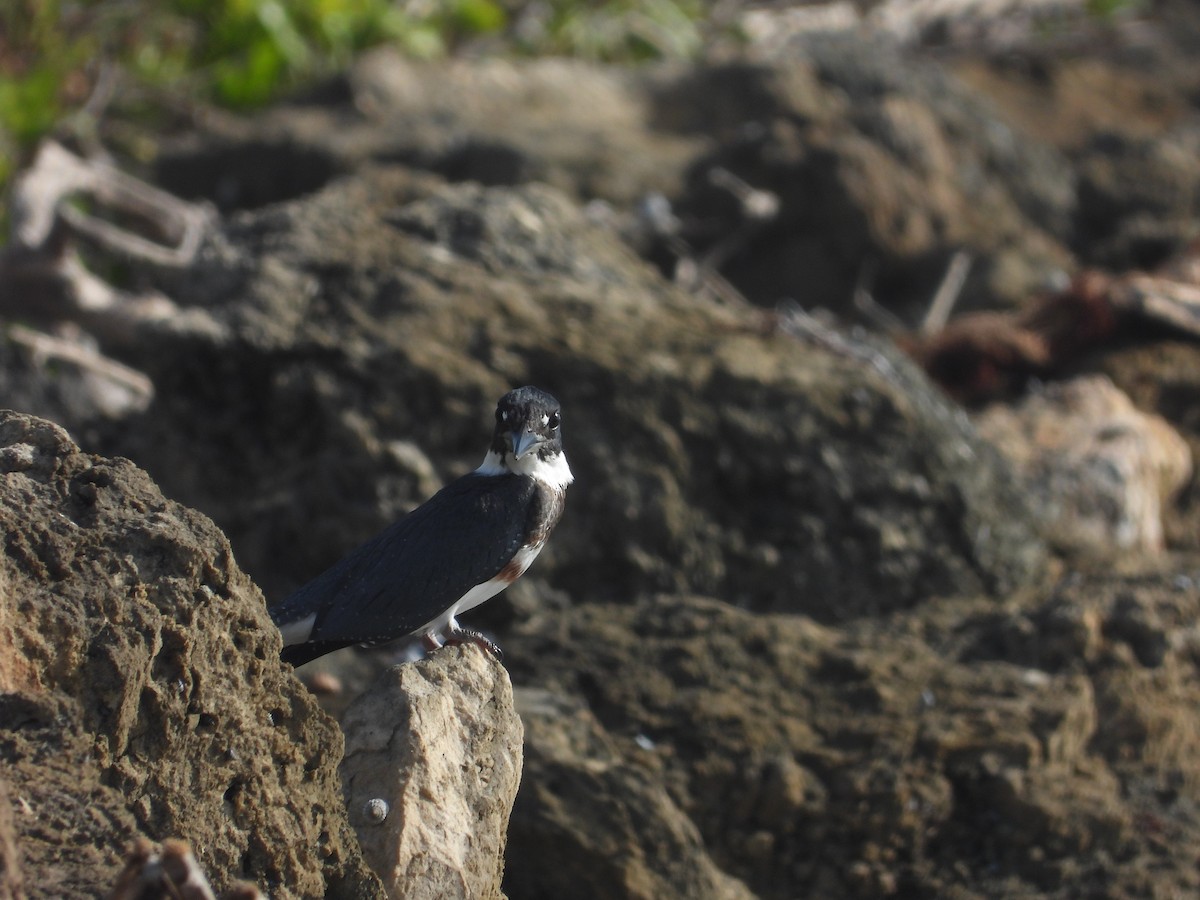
1008, 751
878, 160
747, 463
1164, 378
794, 636
580, 127
433, 760
141, 692
883, 167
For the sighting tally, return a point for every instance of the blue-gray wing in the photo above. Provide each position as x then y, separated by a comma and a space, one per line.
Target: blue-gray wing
418, 566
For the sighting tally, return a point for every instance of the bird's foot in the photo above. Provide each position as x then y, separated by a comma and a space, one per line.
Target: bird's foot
468, 636
431, 642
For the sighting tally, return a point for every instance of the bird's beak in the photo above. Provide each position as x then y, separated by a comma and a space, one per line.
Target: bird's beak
524, 443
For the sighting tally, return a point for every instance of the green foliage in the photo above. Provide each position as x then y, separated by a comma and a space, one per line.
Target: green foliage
243, 53
29, 105
239, 53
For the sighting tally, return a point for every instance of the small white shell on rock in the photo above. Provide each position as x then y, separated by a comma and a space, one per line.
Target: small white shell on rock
376, 810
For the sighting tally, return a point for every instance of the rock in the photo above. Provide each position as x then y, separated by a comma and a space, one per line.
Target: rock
50, 388
873, 154
953, 725
1135, 639
1009, 751
884, 166
584, 128
747, 718
141, 692
712, 453
1138, 195
578, 126
590, 825
1163, 377
1103, 470
433, 759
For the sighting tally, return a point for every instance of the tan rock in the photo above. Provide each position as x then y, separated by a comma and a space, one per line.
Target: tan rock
433, 760
1102, 468
141, 692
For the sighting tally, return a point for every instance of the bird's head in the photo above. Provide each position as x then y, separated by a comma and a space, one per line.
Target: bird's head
528, 436
528, 421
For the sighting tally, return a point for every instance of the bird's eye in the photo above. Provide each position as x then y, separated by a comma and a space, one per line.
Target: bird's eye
553, 421
501, 415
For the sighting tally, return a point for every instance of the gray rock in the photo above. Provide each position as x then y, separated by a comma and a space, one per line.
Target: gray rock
1138, 196
583, 128
884, 166
711, 453
433, 759
879, 160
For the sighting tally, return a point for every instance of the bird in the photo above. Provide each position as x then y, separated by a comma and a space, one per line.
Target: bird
462, 546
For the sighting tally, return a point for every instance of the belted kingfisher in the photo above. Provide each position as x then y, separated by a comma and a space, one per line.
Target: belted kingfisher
464, 545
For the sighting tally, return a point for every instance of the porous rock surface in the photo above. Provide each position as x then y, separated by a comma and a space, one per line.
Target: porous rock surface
433, 760
141, 691
955, 749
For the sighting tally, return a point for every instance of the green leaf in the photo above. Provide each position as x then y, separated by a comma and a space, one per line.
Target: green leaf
252, 78
29, 105
478, 16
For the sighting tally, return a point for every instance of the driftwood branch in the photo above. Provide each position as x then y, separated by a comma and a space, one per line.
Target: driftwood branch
46, 347
1174, 303
42, 277
39, 204
757, 208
